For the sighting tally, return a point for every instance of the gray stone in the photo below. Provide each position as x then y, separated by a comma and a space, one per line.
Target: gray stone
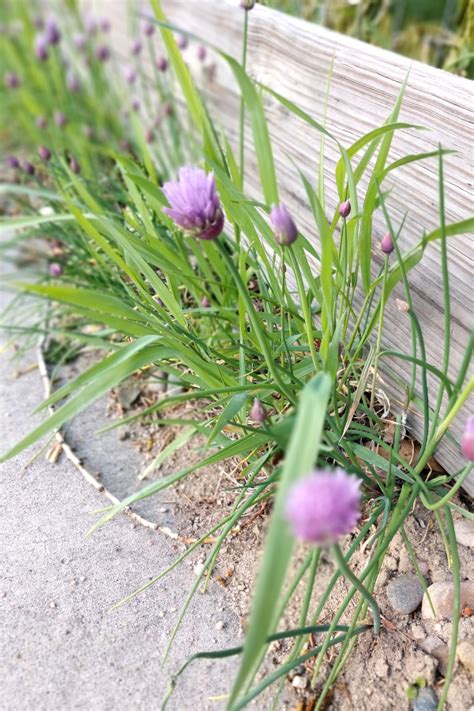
128, 393
464, 530
405, 593
426, 700
441, 653
442, 597
465, 652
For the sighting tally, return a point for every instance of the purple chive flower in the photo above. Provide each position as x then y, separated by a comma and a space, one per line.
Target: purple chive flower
205, 303
247, 4
345, 208
162, 64
194, 202
182, 41
102, 53
201, 53
12, 80
258, 413
12, 162
468, 439
136, 104
60, 119
80, 41
74, 165
55, 269
91, 24
324, 506
130, 75
137, 47
148, 28
28, 167
41, 122
72, 82
44, 153
41, 48
283, 225
386, 245
52, 33
104, 24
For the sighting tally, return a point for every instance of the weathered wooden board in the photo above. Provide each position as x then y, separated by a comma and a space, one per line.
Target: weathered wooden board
294, 58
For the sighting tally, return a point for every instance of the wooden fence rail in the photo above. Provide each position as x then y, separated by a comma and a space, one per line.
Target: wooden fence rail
294, 58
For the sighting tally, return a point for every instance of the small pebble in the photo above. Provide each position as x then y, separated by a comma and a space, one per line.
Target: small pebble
219, 625
198, 568
405, 593
161, 614
300, 682
442, 597
52, 605
426, 700
464, 530
466, 654
441, 653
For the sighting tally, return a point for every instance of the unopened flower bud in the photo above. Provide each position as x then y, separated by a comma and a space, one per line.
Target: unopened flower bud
91, 24
468, 439
60, 119
168, 109
148, 28
12, 162
28, 167
74, 165
136, 105
205, 303
284, 228
149, 135
41, 48
12, 80
182, 41
102, 53
104, 24
44, 153
55, 269
201, 53
247, 4
130, 75
72, 82
258, 413
345, 208
162, 64
386, 245
52, 33
137, 47
80, 41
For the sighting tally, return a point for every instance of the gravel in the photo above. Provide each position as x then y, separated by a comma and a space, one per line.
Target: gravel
405, 593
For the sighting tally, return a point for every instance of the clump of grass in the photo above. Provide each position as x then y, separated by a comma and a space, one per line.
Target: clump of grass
222, 315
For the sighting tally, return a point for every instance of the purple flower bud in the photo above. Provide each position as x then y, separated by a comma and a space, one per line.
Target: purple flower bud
283, 225
149, 135
324, 506
104, 24
168, 109
130, 75
468, 439
41, 48
28, 167
12, 80
201, 53
386, 245
194, 202
258, 413
247, 4
182, 41
60, 119
12, 162
345, 208
102, 53
72, 82
136, 104
80, 41
74, 165
205, 303
52, 33
162, 64
44, 153
41, 122
91, 24
55, 269
137, 47
148, 28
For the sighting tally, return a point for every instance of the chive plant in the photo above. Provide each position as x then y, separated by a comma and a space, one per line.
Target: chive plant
153, 238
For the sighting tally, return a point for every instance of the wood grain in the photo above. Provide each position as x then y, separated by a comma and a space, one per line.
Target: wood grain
294, 58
